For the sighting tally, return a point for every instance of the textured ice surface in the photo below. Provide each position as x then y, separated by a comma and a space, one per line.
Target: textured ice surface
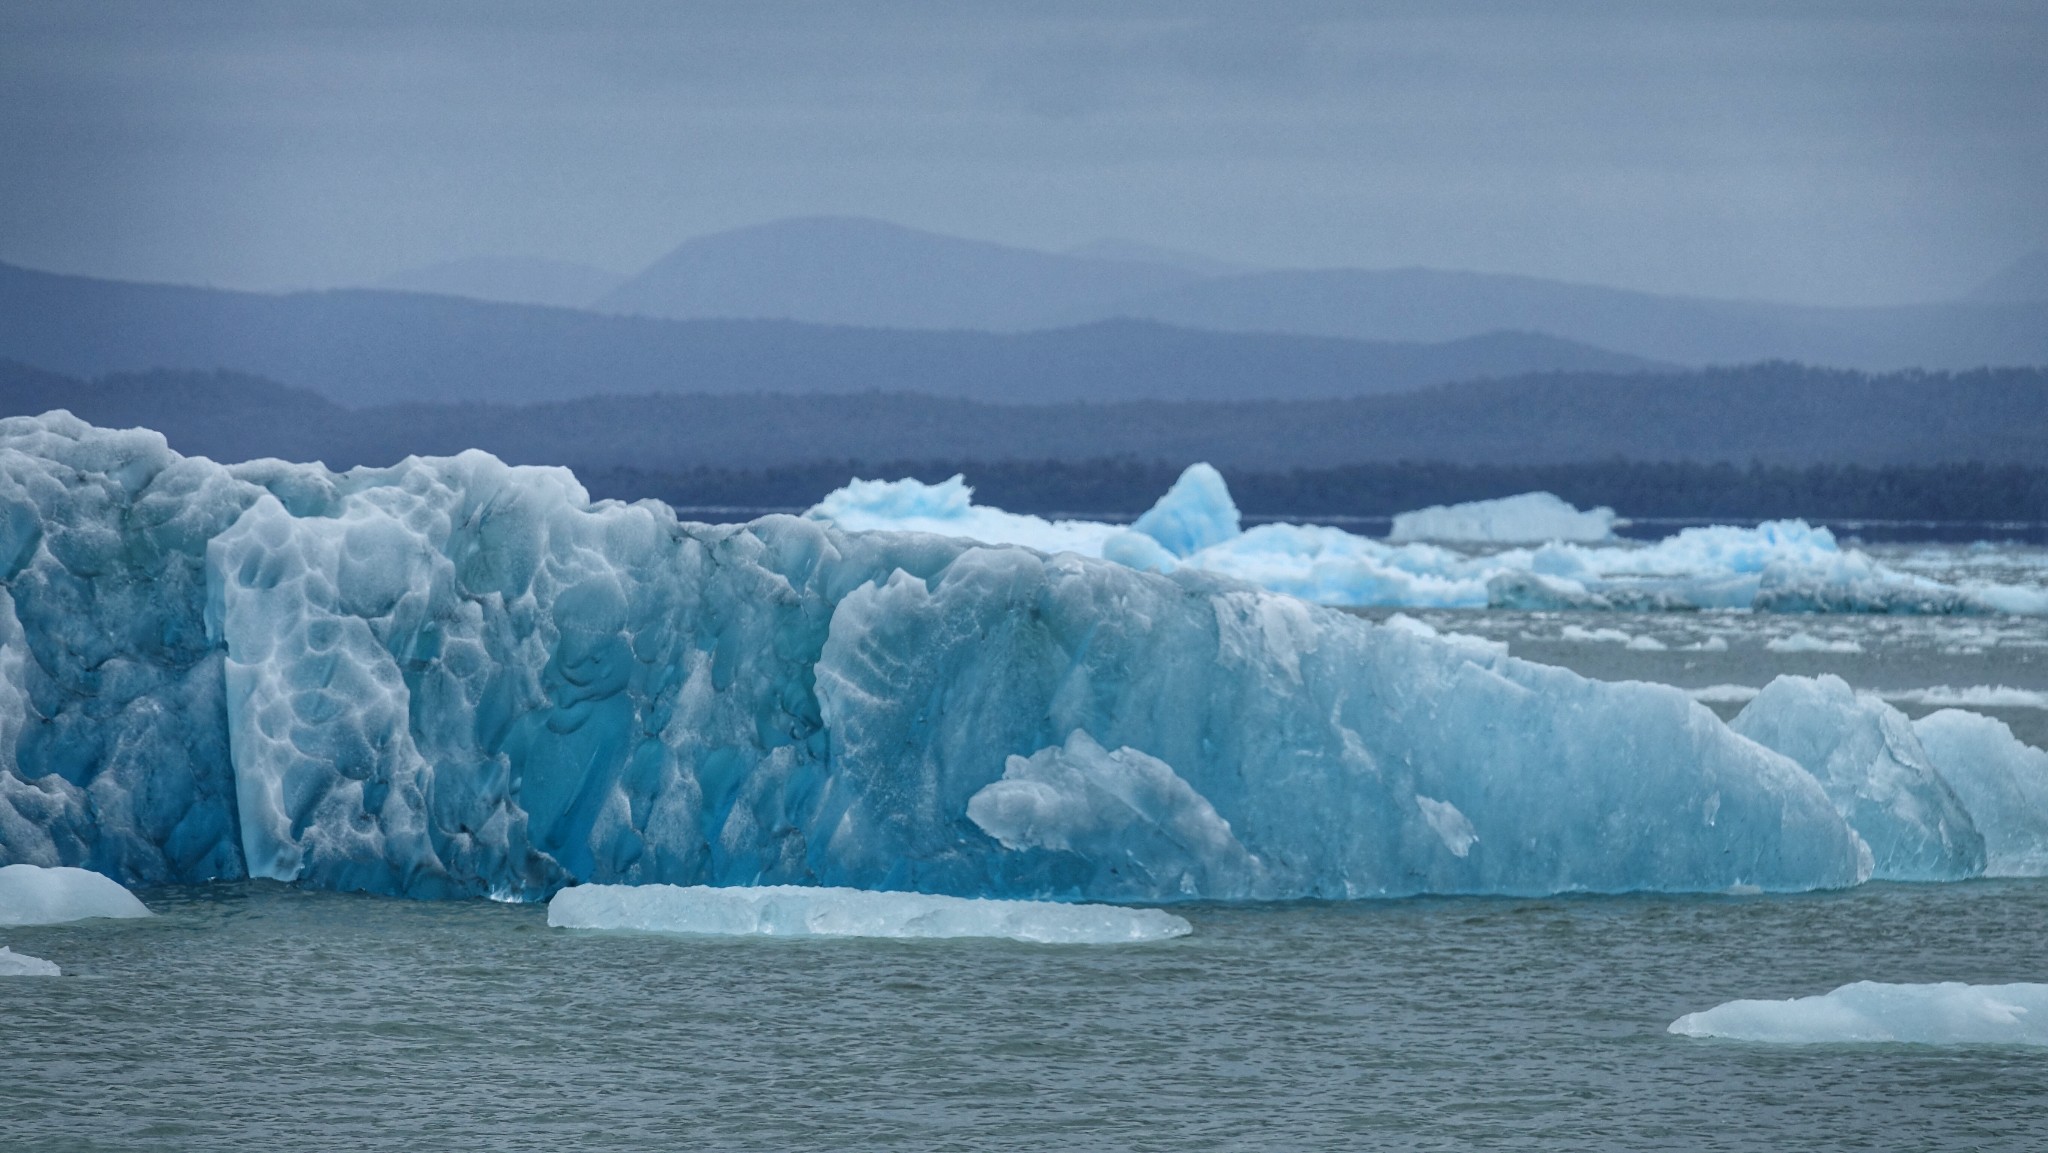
454, 677
1782, 566
797, 911
1864, 753
13, 964
32, 895
1527, 518
2003, 783
1867, 1012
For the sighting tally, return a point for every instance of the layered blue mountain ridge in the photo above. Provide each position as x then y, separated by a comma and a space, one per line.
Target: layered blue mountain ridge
454, 677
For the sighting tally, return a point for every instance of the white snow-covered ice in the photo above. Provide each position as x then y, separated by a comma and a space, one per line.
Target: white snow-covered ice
1530, 518
13, 964
32, 895
1869, 1012
800, 911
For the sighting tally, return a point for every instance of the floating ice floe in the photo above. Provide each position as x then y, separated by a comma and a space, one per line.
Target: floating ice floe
13, 964
799, 911
1869, 1012
454, 677
32, 895
1531, 518
1780, 566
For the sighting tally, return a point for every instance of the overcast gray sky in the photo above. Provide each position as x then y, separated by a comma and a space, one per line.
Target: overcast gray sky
1843, 152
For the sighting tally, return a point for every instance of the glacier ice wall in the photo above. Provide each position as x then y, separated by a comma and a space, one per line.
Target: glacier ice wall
457, 677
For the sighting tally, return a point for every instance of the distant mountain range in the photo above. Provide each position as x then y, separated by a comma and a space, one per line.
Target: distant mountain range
851, 271
510, 280
1774, 413
364, 347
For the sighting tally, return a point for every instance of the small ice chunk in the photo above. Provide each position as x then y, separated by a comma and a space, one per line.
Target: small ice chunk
1195, 513
13, 964
1805, 642
806, 911
33, 895
1529, 517
1869, 1012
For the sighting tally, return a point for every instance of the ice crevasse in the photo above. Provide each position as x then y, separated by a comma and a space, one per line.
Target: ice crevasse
455, 677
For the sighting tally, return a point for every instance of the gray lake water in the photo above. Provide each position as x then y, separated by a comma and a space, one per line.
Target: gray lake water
259, 1017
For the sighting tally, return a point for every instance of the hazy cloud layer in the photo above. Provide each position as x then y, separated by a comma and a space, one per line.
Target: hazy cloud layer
1847, 153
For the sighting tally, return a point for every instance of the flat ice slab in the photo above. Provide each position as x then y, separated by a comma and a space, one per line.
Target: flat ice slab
33, 895
13, 964
1868, 1012
805, 911
1523, 519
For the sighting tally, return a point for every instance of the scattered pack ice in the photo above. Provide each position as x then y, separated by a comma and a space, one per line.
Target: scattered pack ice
13, 964
1868, 1012
32, 895
455, 677
1781, 566
800, 911
1531, 518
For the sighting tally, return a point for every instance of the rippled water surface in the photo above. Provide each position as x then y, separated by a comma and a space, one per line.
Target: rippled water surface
257, 1017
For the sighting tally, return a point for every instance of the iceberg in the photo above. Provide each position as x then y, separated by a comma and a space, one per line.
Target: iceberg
2002, 782
1868, 1012
31, 895
1864, 752
13, 964
1528, 518
798, 911
454, 677
1778, 566
948, 509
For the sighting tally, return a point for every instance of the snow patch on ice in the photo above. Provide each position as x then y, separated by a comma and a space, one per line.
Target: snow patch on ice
1449, 824
1869, 1012
1527, 518
800, 911
33, 895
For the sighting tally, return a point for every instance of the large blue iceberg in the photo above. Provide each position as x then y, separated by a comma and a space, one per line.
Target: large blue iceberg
455, 677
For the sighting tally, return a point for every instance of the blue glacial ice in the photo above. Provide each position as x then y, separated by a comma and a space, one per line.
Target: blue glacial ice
1530, 518
1869, 1012
809, 911
1779, 566
33, 895
1864, 753
2000, 780
13, 964
454, 677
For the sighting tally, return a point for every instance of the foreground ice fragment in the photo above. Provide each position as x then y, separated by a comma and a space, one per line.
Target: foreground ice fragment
1527, 518
800, 911
13, 964
32, 895
1949, 1013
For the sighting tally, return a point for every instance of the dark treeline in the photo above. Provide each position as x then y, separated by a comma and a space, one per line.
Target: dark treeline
1943, 492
